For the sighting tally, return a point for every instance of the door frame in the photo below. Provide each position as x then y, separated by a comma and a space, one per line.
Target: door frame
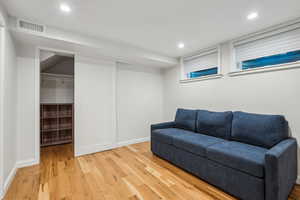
37, 81
2, 40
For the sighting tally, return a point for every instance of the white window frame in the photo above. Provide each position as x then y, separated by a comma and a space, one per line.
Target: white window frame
202, 52
285, 27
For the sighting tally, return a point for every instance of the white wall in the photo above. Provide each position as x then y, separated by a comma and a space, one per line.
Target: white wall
10, 104
8, 109
113, 105
26, 107
120, 102
94, 105
139, 101
275, 92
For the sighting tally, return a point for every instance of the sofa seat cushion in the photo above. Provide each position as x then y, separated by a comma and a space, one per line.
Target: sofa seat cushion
166, 135
244, 157
195, 143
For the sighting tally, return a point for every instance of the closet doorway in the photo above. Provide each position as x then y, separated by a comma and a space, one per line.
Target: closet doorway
56, 105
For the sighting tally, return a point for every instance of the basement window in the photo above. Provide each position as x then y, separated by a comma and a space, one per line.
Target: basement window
201, 65
277, 48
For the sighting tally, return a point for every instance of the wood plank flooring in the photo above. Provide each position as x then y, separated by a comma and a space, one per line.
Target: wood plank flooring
130, 172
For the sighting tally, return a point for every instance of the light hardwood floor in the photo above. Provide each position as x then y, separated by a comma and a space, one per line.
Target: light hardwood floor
131, 172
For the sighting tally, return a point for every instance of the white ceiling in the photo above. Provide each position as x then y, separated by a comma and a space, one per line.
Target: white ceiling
158, 25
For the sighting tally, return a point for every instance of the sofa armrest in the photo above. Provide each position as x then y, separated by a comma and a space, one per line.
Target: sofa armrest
281, 169
162, 125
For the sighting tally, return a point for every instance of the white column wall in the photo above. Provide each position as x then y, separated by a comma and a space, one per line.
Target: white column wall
26, 106
8, 109
94, 105
139, 102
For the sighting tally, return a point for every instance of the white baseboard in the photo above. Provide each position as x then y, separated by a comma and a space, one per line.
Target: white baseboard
134, 141
298, 180
13, 172
8, 181
27, 163
100, 147
93, 149
1, 193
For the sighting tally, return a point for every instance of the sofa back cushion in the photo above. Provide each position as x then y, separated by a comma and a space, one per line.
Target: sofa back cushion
186, 119
257, 129
217, 124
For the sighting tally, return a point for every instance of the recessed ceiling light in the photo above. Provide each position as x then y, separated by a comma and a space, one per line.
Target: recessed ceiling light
180, 45
65, 8
252, 16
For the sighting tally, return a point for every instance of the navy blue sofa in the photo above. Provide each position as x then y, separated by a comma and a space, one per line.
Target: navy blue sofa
249, 156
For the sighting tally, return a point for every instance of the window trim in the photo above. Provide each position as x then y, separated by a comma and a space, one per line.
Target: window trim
202, 78
268, 32
203, 52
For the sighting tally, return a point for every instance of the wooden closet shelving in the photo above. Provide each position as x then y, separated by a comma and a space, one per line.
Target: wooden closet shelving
56, 124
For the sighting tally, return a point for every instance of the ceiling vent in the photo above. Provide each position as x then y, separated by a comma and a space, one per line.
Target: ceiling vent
29, 26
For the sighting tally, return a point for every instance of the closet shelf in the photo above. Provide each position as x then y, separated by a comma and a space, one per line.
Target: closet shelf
57, 129
56, 124
66, 116
56, 143
49, 117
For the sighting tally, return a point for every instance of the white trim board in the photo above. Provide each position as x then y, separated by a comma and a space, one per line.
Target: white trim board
27, 163
202, 78
2, 30
12, 174
133, 141
8, 181
81, 151
37, 104
104, 147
